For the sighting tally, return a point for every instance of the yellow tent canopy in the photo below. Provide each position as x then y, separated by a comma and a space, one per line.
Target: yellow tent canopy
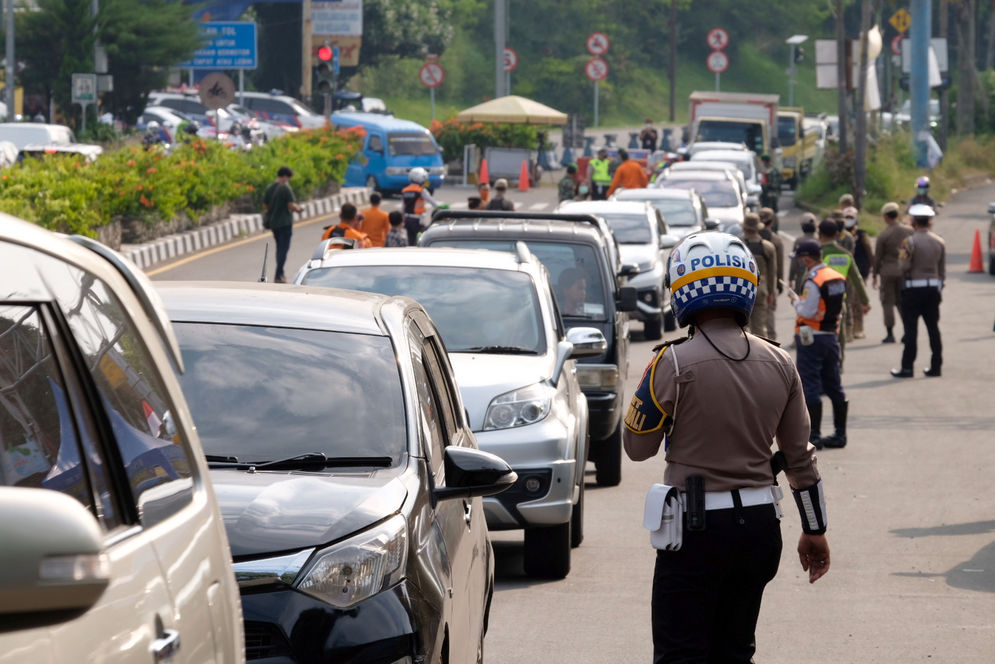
513, 109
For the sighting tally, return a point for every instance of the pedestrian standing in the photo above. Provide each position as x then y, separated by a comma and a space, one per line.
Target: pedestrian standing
706, 594
628, 175
768, 231
841, 260
397, 237
770, 183
567, 187
499, 202
923, 262
414, 198
766, 259
886, 269
797, 271
862, 256
279, 206
599, 175
376, 223
484, 190
648, 136
818, 310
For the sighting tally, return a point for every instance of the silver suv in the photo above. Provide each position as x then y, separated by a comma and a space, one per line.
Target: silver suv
513, 360
114, 549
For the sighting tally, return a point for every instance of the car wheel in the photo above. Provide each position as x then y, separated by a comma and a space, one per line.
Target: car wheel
651, 329
547, 551
608, 465
577, 520
669, 321
371, 182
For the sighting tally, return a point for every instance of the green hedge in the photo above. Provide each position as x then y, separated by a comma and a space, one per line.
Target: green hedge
64, 193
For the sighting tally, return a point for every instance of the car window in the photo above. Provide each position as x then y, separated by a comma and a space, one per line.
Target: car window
676, 212
414, 144
566, 262
786, 129
428, 406
443, 389
472, 308
376, 145
749, 133
717, 193
263, 393
629, 228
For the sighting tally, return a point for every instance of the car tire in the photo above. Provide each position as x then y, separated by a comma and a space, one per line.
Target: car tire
651, 328
547, 551
371, 182
608, 465
669, 321
577, 520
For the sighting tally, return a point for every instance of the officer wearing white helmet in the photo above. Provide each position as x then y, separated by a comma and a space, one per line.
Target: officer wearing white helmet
715, 401
923, 263
413, 200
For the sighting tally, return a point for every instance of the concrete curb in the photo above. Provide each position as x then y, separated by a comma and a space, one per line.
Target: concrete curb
147, 254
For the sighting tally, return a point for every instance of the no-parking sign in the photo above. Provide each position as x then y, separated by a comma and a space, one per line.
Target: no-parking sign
596, 69
717, 62
597, 43
717, 39
431, 74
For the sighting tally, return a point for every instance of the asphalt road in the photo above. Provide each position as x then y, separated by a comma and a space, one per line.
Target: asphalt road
911, 501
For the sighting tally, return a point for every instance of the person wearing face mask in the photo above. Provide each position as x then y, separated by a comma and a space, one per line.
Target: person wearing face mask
922, 194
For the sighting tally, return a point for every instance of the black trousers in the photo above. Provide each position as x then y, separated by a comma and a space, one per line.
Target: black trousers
706, 597
282, 236
924, 302
412, 224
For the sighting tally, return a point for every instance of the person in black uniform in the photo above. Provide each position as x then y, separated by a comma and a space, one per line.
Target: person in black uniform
707, 593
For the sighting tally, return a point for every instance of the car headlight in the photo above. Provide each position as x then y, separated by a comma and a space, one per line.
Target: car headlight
519, 408
437, 170
600, 376
351, 571
396, 170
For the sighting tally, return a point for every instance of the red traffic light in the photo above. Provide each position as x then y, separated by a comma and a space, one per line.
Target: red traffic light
325, 53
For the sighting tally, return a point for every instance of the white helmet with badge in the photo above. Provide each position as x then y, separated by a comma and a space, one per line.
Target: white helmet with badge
418, 175
708, 270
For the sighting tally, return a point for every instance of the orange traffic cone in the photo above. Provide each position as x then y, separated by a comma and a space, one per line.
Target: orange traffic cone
976, 264
484, 175
523, 178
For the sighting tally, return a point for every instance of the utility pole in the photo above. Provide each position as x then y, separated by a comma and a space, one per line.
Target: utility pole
672, 64
919, 34
306, 48
944, 97
860, 125
842, 76
500, 29
9, 70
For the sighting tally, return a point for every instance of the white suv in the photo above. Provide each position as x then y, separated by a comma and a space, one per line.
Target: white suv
513, 361
113, 545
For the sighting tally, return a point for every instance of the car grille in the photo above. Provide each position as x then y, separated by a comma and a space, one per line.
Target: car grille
263, 640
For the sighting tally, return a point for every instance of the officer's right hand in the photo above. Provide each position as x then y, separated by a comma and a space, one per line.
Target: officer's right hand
813, 552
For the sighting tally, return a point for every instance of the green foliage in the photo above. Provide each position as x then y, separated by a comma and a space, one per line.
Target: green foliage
452, 135
64, 193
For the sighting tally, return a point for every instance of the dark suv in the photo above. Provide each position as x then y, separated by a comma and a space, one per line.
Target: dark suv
572, 247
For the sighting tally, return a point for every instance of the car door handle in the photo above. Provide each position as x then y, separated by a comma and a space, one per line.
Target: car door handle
467, 512
166, 646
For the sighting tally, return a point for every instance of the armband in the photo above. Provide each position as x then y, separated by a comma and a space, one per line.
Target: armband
645, 414
812, 508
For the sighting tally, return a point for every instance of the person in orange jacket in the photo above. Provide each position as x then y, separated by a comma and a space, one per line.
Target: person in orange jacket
348, 227
375, 221
628, 175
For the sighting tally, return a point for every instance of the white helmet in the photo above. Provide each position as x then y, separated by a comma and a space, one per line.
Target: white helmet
418, 175
152, 126
711, 270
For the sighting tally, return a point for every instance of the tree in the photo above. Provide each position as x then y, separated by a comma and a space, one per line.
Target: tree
406, 28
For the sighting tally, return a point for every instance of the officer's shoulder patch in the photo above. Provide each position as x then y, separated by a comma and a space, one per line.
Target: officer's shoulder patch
645, 413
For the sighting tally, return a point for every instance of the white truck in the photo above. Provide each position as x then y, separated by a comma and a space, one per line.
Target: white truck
736, 117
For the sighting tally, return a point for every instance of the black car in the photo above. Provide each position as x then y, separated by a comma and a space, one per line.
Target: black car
348, 479
568, 244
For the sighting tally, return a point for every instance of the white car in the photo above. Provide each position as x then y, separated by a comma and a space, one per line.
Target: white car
721, 166
114, 548
744, 160
720, 191
644, 241
684, 210
35, 133
513, 360
282, 110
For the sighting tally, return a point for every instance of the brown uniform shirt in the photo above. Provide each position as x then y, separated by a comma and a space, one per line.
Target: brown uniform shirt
886, 249
766, 256
923, 255
728, 412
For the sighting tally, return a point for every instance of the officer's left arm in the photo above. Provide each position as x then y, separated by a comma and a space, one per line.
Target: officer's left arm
942, 265
427, 197
648, 418
858, 283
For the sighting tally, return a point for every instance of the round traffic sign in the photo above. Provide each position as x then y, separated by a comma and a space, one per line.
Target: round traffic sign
896, 44
717, 39
596, 69
431, 74
717, 62
510, 59
216, 90
597, 43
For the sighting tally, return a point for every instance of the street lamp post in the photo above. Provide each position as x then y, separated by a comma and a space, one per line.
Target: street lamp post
793, 42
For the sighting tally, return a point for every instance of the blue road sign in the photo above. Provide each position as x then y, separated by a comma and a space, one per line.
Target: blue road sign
231, 45
335, 60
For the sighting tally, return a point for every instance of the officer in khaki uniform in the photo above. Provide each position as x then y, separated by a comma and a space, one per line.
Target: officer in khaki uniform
922, 258
768, 231
706, 595
885, 265
766, 258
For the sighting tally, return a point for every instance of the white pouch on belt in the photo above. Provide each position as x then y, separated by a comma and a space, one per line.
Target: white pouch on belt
663, 517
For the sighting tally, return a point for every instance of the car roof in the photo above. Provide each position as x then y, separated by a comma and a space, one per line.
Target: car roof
705, 165
718, 145
580, 226
697, 175
655, 192
483, 259
721, 155
604, 207
386, 122
273, 305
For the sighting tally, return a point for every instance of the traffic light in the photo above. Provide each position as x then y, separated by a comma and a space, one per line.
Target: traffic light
324, 70
798, 55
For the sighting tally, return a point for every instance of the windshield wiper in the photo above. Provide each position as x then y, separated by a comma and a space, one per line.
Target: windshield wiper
299, 461
503, 350
220, 459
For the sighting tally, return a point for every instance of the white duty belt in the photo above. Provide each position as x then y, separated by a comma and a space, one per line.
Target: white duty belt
922, 283
723, 500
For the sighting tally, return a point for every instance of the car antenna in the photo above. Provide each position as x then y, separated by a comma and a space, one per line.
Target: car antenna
262, 275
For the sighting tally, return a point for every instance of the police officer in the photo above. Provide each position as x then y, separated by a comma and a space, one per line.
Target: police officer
765, 256
706, 595
770, 183
841, 260
818, 309
922, 259
922, 196
797, 271
768, 231
599, 175
413, 200
885, 267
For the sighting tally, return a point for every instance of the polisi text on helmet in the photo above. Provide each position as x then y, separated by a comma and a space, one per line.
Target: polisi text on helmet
718, 261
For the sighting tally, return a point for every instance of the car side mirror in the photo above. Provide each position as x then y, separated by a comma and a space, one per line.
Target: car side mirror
587, 341
629, 270
711, 224
626, 300
752, 200
54, 563
471, 472
667, 241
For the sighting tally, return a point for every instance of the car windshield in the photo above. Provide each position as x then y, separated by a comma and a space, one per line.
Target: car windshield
717, 193
675, 212
413, 144
567, 264
263, 393
629, 228
750, 133
786, 130
745, 165
473, 308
